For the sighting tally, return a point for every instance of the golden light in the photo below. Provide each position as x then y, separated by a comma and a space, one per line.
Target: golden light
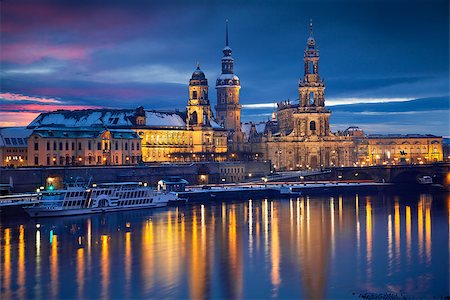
80, 158
202, 177
54, 159
104, 158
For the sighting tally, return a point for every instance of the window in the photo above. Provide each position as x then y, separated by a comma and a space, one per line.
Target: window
67, 146
137, 146
36, 146
60, 146
54, 146
36, 160
311, 68
79, 146
48, 146
194, 95
132, 146
126, 146
8, 141
48, 160
89, 145
117, 145
99, 146
14, 141
20, 140
311, 98
73, 146
312, 125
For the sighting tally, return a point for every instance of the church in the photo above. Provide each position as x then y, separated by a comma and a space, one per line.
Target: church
300, 136
297, 137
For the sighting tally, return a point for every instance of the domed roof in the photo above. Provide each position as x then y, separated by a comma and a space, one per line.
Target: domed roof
198, 74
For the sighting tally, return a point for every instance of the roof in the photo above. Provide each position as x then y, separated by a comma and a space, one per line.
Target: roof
402, 136
51, 132
106, 118
260, 127
14, 136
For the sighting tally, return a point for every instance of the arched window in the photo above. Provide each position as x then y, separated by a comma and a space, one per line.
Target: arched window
311, 98
312, 125
194, 95
194, 118
311, 67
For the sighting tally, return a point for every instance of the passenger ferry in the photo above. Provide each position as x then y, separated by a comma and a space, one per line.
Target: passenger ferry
105, 197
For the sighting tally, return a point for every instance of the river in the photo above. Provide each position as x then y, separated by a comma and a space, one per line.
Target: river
308, 247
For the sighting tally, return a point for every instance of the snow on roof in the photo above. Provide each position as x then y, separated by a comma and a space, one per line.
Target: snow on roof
260, 127
83, 132
105, 118
159, 118
228, 77
14, 136
215, 125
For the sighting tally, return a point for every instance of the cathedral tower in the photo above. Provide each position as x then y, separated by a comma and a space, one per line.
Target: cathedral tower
228, 109
198, 108
313, 119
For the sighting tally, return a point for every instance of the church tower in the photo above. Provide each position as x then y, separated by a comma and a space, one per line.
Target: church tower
198, 108
228, 109
313, 119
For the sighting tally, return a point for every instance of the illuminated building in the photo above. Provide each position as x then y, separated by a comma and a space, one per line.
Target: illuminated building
228, 109
300, 137
13, 146
83, 146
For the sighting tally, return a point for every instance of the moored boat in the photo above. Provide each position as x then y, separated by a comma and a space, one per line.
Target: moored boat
105, 197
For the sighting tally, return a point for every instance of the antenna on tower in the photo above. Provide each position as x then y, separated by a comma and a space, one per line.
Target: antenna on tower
226, 35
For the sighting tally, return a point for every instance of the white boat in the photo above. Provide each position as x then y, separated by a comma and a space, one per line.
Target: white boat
99, 198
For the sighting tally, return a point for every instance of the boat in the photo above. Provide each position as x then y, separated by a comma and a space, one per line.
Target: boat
99, 198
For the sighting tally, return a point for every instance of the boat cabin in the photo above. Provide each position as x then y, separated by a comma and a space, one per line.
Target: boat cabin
172, 184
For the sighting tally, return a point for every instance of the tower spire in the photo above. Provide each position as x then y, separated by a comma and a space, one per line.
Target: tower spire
310, 28
226, 35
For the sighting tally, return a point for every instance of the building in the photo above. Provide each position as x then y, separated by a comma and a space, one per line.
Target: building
394, 149
13, 146
228, 108
297, 137
166, 136
300, 136
59, 146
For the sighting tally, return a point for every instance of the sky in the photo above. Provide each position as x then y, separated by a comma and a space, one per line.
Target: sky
124, 54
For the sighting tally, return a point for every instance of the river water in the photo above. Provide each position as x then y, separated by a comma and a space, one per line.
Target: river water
307, 247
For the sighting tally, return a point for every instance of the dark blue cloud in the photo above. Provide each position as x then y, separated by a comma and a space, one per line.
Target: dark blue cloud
123, 54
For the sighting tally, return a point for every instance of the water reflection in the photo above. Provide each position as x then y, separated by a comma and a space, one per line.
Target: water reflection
311, 247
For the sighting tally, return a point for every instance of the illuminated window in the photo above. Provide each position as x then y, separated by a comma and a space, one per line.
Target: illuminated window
312, 125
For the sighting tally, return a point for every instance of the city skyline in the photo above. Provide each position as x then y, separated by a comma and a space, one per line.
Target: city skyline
124, 56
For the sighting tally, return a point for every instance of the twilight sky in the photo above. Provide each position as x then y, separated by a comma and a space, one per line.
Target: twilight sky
123, 54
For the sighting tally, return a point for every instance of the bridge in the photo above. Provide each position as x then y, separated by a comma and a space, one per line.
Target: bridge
439, 172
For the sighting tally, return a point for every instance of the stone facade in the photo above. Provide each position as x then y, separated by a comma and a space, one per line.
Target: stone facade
300, 137
13, 146
398, 149
228, 108
83, 147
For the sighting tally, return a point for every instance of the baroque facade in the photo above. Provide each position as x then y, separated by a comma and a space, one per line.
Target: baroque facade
297, 137
300, 136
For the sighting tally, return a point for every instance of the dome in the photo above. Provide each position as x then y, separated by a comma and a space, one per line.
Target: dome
198, 74
311, 41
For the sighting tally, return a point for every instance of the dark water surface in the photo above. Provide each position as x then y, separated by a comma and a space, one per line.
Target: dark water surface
308, 247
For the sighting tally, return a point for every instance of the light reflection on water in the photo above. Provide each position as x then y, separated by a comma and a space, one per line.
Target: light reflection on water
310, 247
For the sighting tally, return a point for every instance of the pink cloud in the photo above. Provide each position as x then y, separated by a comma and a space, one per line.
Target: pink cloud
25, 53
16, 119
20, 97
38, 108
